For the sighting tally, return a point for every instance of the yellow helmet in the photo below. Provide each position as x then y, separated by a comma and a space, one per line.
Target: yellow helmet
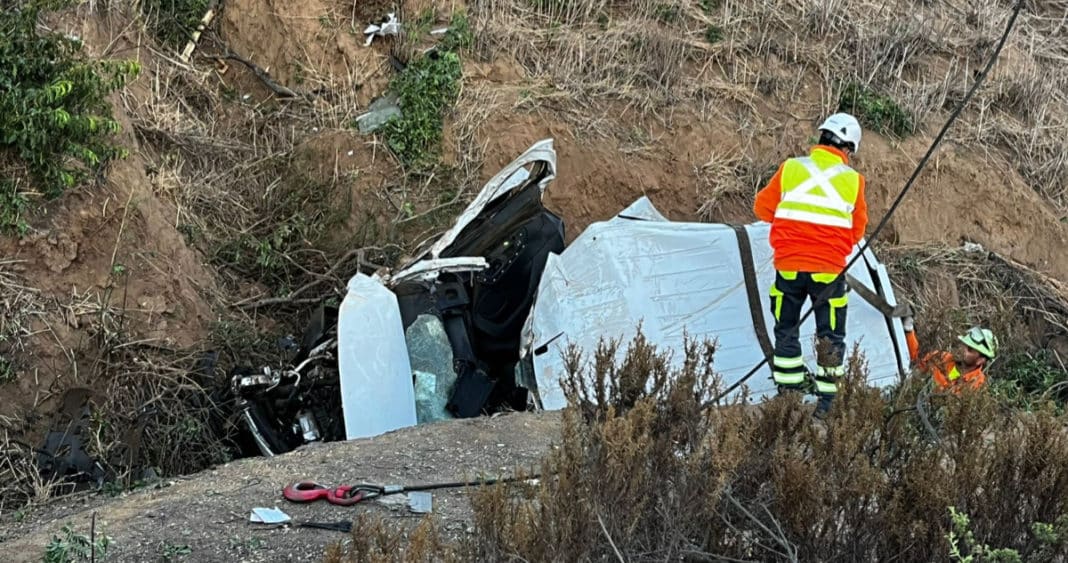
981, 340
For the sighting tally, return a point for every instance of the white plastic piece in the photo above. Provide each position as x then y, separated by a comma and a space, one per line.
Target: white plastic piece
429, 270
268, 516
390, 27
377, 393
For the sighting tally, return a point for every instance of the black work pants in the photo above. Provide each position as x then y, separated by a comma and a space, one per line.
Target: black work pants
788, 296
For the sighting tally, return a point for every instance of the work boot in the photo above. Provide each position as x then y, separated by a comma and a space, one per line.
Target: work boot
823, 406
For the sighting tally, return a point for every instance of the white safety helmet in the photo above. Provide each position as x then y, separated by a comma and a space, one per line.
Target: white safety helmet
845, 127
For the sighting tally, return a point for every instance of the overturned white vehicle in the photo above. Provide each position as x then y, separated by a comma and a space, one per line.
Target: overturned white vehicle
480, 321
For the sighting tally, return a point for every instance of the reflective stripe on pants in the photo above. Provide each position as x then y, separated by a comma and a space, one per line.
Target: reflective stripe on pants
788, 296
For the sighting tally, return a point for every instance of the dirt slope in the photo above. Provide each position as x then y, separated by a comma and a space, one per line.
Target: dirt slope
208, 512
105, 263
699, 140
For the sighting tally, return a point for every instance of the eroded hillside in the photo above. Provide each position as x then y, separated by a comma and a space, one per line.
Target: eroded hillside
249, 194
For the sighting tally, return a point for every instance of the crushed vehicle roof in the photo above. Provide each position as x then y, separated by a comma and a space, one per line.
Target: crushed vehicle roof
686, 279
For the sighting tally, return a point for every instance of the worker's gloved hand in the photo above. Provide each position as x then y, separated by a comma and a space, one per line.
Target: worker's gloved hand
909, 324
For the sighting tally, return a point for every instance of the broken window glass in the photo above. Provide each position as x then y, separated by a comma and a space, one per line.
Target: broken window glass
431, 357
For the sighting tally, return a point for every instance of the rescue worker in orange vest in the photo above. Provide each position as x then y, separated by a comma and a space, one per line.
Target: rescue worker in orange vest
979, 346
818, 213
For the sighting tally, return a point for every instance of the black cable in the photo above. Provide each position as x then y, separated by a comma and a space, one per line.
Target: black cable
901, 196
458, 484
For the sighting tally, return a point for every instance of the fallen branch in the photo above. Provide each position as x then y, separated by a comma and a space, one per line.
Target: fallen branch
778, 535
610, 542
278, 89
292, 298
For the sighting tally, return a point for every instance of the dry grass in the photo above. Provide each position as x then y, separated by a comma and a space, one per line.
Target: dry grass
652, 55
149, 408
20, 304
952, 289
633, 52
231, 169
646, 472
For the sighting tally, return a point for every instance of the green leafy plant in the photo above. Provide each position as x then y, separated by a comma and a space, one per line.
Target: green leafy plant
459, 35
170, 552
713, 34
668, 13
425, 88
708, 5
965, 548
7, 371
174, 21
13, 207
55, 121
877, 111
72, 546
1025, 379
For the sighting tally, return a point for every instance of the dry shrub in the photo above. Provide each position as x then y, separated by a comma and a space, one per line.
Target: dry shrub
158, 412
652, 475
19, 304
255, 195
21, 481
373, 542
730, 180
1026, 309
151, 406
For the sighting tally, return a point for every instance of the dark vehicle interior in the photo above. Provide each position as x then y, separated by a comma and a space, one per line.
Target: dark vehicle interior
482, 314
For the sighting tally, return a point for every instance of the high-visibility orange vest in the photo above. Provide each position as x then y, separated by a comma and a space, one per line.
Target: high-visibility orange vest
946, 376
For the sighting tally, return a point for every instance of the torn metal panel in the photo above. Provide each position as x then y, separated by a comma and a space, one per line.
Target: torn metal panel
678, 279
507, 179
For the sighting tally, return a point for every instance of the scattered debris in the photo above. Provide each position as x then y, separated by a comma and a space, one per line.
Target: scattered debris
62, 455
421, 503
192, 44
268, 516
390, 26
379, 112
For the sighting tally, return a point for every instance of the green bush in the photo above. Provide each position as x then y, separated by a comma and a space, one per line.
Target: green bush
1025, 380
425, 88
459, 35
879, 112
72, 546
713, 34
13, 206
55, 120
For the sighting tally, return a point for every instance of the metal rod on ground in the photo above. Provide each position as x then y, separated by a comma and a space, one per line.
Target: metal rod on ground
458, 484
908, 185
